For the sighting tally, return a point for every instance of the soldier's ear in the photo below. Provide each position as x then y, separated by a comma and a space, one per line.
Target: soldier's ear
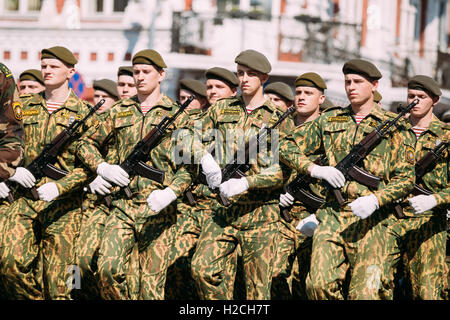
70, 72
162, 75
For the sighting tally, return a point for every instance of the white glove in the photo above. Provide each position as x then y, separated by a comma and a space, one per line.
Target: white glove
48, 191
24, 177
4, 190
363, 207
286, 200
308, 225
212, 171
422, 203
332, 175
233, 187
159, 199
100, 186
113, 173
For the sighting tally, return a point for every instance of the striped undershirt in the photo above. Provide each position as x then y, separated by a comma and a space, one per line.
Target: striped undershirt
359, 118
145, 109
418, 131
53, 106
249, 110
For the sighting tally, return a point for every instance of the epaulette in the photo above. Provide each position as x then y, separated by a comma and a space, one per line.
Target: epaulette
331, 109
4, 69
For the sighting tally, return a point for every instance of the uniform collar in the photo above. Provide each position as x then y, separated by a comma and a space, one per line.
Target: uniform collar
71, 102
376, 112
164, 102
435, 126
268, 104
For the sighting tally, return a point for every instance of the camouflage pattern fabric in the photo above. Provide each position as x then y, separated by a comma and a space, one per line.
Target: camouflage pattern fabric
338, 236
129, 219
251, 220
12, 134
39, 230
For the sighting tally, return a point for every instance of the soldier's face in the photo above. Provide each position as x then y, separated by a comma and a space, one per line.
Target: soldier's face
359, 90
55, 73
250, 81
30, 86
216, 89
197, 103
126, 86
276, 99
147, 78
109, 100
308, 100
425, 105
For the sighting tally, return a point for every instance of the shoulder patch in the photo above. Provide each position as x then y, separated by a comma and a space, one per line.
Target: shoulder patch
410, 154
4, 69
17, 108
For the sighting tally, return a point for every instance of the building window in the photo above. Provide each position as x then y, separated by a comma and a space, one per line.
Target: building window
12, 5
110, 56
99, 6
120, 5
93, 56
34, 5
127, 56
23, 55
6, 55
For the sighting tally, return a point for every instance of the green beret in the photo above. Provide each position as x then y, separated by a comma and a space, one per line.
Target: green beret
60, 53
254, 60
125, 70
109, 86
223, 75
310, 79
281, 89
326, 104
377, 96
149, 56
362, 67
32, 74
424, 83
194, 86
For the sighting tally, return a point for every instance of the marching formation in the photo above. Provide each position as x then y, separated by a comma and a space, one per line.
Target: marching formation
237, 189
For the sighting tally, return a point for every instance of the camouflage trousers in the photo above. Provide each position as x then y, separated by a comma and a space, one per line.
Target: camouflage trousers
39, 251
420, 243
217, 245
423, 242
4, 214
131, 224
340, 239
94, 214
292, 262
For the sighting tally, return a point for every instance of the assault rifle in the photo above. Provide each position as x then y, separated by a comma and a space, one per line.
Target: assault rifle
237, 168
135, 164
299, 189
43, 165
422, 167
348, 165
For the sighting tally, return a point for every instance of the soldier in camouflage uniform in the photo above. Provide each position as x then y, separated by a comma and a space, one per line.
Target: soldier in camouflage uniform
126, 87
295, 237
421, 235
94, 210
146, 217
358, 228
45, 231
250, 220
11, 143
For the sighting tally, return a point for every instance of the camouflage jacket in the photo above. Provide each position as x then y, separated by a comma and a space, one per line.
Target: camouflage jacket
128, 125
335, 132
291, 145
230, 119
437, 179
41, 128
12, 134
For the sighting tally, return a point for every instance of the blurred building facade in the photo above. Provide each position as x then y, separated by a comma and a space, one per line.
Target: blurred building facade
402, 37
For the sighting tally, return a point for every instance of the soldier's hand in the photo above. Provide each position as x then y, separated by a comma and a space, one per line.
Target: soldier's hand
212, 171
233, 187
23, 177
332, 175
48, 191
113, 173
422, 203
286, 200
4, 190
363, 207
100, 186
308, 225
159, 199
